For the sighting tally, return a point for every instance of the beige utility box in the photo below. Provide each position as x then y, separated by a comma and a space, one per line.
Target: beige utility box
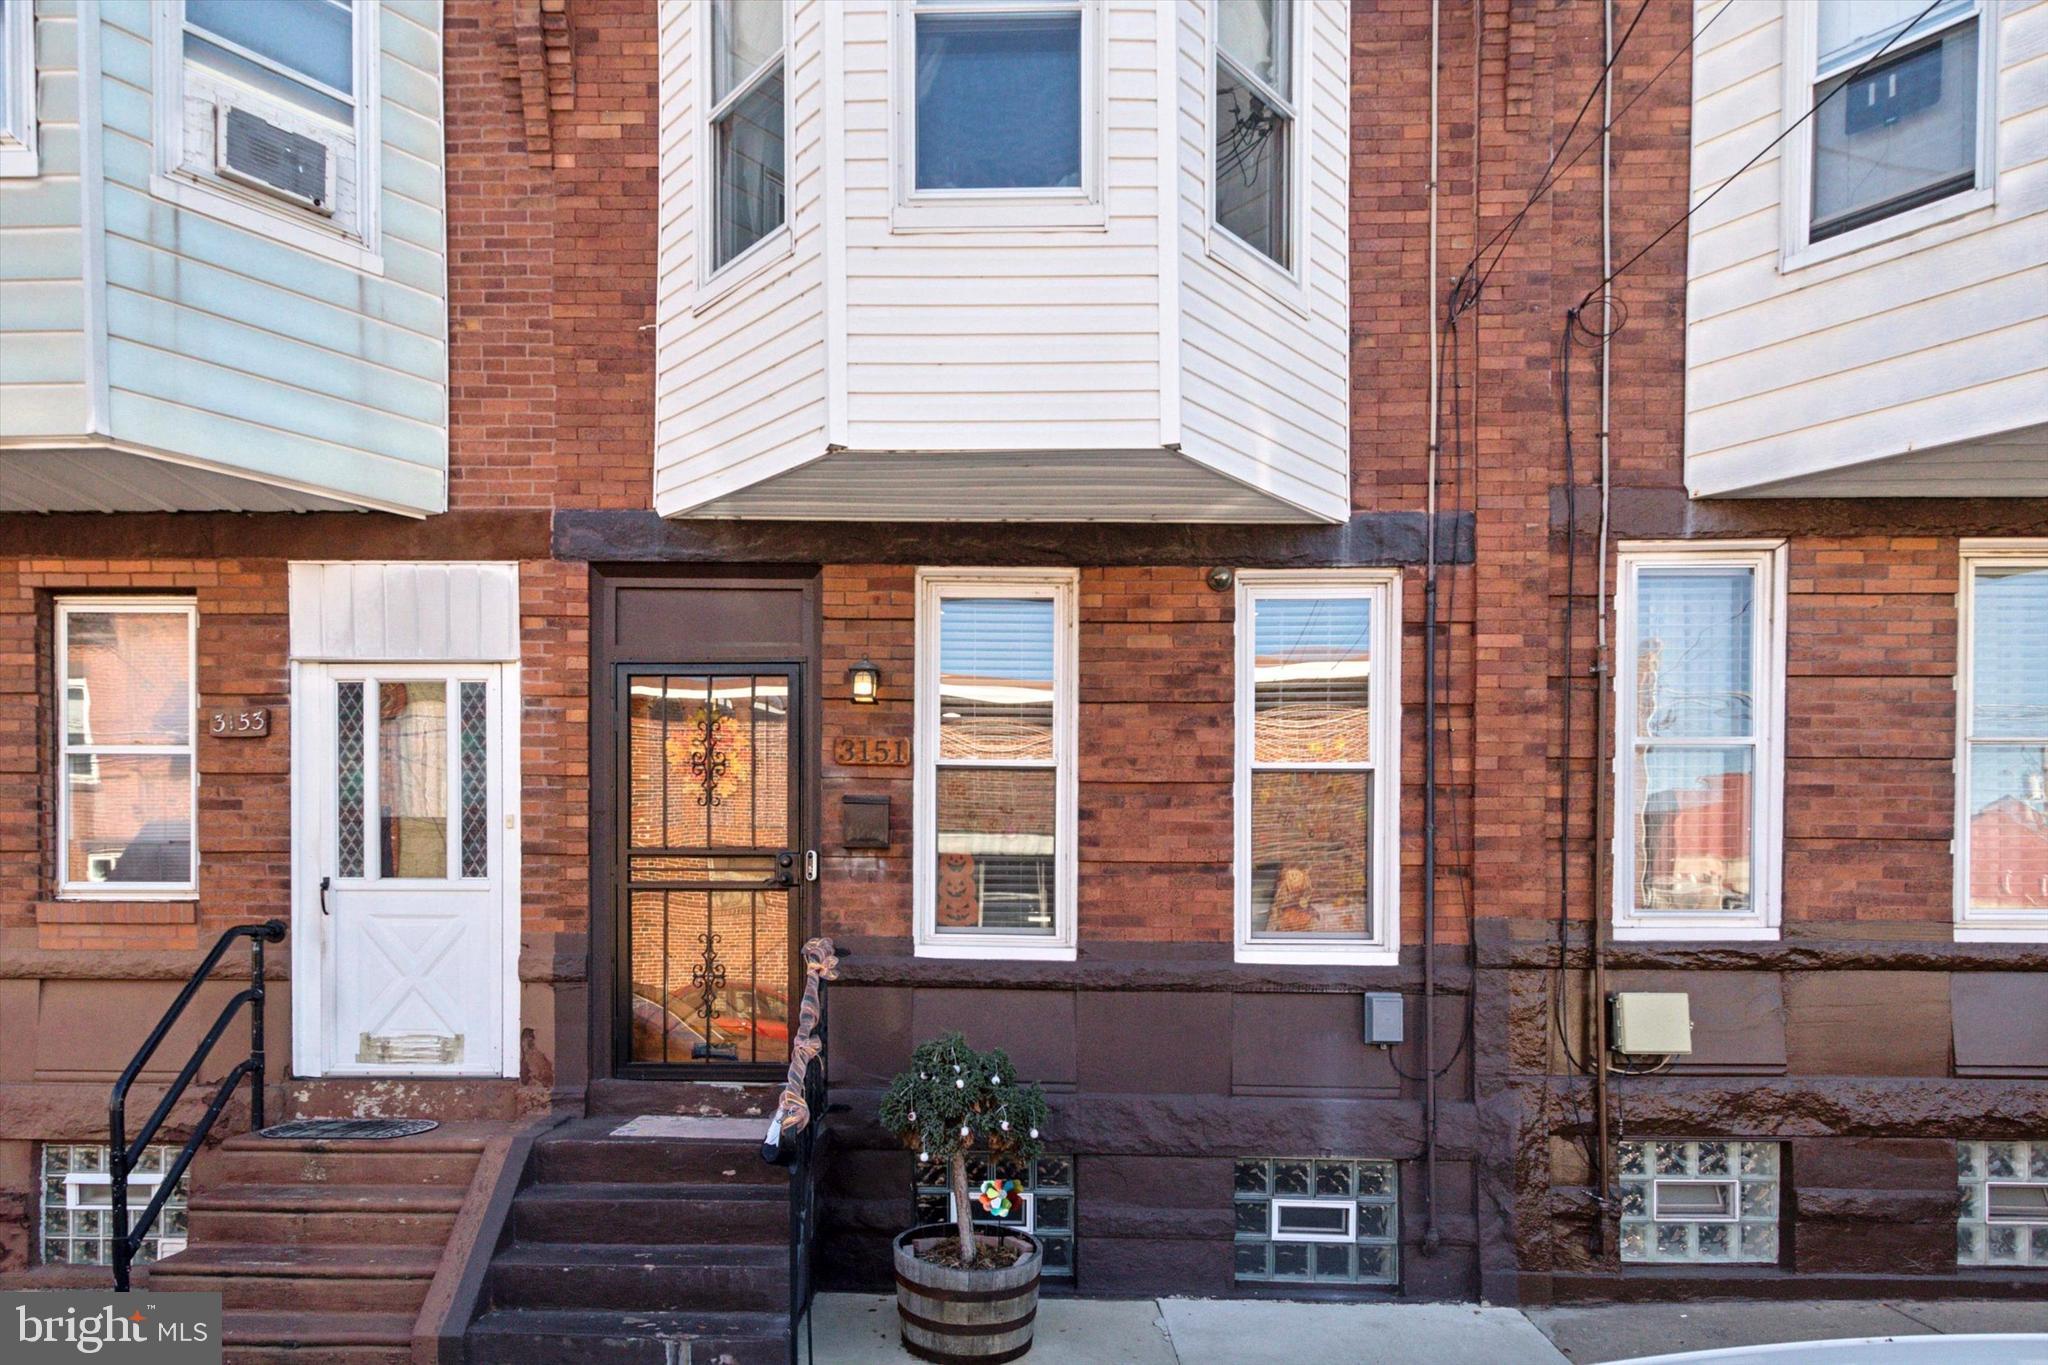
1650, 1023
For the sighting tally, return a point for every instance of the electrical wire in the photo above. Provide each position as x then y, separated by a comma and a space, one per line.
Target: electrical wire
1790, 129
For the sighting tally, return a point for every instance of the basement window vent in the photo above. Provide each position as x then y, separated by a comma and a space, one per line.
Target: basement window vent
1041, 1195
1698, 1202
2004, 1214
1317, 1221
77, 1225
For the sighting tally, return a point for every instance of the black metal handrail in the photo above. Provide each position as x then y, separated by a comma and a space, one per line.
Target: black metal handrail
792, 1138
122, 1154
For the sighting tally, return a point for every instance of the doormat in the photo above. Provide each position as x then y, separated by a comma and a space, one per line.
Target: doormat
718, 1127
353, 1130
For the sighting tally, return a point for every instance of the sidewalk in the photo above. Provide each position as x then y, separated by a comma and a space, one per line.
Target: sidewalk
860, 1329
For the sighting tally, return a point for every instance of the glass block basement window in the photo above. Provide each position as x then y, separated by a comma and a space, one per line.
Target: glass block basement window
1316, 1220
2004, 1218
1698, 1202
1041, 1201
77, 1224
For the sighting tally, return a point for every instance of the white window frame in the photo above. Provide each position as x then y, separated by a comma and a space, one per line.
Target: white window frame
18, 111
67, 889
715, 281
358, 245
1983, 926
2007, 1220
1766, 560
1062, 588
1289, 283
995, 210
1382, 588
1732, 1184
1280, 1203
1802, 76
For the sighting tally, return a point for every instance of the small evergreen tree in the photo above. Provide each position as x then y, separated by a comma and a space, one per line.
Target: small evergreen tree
953, 1100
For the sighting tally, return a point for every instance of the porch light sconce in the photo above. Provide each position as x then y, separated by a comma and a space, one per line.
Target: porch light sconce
865, 680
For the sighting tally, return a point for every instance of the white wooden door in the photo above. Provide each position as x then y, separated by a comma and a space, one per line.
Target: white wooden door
404, 886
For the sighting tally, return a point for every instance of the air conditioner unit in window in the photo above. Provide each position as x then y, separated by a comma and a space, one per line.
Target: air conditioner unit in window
250, 150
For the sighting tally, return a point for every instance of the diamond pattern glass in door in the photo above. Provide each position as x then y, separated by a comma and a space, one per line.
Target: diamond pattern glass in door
709, 868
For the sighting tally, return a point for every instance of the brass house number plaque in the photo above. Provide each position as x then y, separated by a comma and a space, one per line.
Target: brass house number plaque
238, 722
865, 751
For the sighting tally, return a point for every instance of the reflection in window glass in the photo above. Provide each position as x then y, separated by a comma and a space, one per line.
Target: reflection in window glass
2006, 749
412, 778
1901, 134
1254, 115
998, 100
126, 804
746, 118
311, 37
995, 849
995, 678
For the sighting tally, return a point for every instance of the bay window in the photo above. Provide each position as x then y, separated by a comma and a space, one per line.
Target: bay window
995, 801
2002, 766
1698, 750
1316, 792
125, 786
745, 121
1255, 123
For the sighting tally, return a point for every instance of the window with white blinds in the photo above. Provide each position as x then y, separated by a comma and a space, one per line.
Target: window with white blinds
1697, 749
2002, 767
995, 794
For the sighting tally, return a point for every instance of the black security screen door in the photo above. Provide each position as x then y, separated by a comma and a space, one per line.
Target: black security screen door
708, 866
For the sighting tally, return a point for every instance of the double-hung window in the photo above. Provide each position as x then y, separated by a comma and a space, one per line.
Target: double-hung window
1698, 749
995, 800
1901, 118
998, 113
2002, 767
17, 87
1256, 126
267, 116
125, 787
1317, 784
744, 120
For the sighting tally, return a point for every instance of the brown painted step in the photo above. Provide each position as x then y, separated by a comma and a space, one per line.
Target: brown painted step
444, 1156
445, 1098
641, 1278
660, 1215
626, 1098
246, 1213
317, 1338
389, 1279
583, 1337
585, 1157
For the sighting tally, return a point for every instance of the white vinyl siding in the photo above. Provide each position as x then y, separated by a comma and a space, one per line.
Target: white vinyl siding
1901, 359
43, 332
996, 796
1699, 741
1317, 786
2001, 843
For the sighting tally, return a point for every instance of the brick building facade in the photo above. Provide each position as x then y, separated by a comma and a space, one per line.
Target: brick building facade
1845, 1054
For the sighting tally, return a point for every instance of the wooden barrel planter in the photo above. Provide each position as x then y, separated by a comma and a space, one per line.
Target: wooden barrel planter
980, 1315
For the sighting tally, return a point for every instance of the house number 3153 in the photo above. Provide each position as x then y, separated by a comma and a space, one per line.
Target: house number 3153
238, 722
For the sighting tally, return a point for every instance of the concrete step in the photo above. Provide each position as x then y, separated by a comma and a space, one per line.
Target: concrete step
384, 1279
248, 1213
361, 1097
626, 1098
585, 1337
443, 1156
660, 1215
300, 1335
636, 1278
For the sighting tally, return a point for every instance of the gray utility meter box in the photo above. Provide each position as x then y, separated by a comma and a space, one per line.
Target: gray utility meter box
1650, 1023
1383, 1018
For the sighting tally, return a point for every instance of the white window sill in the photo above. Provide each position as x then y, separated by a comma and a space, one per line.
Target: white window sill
1257, 269
17, 161
1331, 955
1887, 229
1694, 933
995, 950
751, 266
97, 893
2003, 933
279, 224
1023, 211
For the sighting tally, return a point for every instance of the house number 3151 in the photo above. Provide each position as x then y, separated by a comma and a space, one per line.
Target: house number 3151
238, 722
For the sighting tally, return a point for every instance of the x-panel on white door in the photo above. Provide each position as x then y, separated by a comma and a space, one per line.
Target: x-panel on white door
403, 877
